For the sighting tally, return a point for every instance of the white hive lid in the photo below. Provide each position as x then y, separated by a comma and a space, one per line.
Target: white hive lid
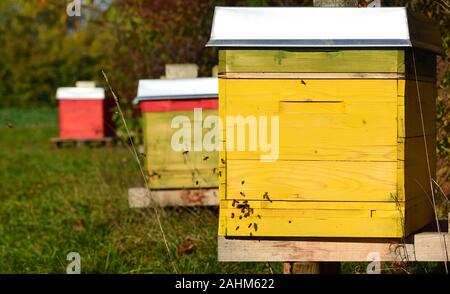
322, 27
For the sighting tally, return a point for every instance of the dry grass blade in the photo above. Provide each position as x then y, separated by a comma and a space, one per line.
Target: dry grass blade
444, 247
141, 168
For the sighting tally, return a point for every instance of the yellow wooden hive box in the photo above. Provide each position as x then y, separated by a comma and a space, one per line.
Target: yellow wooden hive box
161, 102
351, 158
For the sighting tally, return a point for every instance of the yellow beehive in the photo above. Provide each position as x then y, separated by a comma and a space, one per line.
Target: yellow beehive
351, 160
161, 101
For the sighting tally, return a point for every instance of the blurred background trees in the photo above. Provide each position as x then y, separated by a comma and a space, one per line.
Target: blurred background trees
41, 48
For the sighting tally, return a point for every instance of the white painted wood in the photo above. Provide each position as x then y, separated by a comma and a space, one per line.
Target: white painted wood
80, 93
432, 246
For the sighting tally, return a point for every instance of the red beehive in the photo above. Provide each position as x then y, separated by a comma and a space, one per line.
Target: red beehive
82, 113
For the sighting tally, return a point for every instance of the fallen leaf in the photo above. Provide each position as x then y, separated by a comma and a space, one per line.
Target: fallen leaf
185, 248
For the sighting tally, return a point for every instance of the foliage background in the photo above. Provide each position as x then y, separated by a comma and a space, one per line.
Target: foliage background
41, 48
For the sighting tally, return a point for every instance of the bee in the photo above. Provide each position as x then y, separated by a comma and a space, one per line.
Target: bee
290, 222
245, 201
243, 182
242, 194
232, 215
247, 214
255, 226
240, 217
251, 210
196, 182
250, 225
303, 82
205, 158
220, 173
251, 234
155, 174
237, 228
266, 196
185, 152
234, 203
258, 216
214, 170
222, 160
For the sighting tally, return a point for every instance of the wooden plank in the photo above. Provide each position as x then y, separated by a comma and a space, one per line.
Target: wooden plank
338, 250
312, 223
413, 178
313, 76
426, 246
313, 205
306, 268
418, 214
142, 197
106, 141
312, 180
408, 99
331, 120
432, 246
315, 61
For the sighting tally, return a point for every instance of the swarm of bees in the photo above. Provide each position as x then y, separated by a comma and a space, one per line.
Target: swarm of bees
246, 211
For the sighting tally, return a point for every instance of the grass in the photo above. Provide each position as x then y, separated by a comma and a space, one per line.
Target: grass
55, 201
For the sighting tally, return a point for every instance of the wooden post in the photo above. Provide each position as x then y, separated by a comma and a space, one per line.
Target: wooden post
316, 267
306, 268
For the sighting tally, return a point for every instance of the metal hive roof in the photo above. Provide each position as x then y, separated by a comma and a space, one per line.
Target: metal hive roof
322, 27
177, 89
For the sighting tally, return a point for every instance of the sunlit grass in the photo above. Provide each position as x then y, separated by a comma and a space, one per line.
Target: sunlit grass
54, 201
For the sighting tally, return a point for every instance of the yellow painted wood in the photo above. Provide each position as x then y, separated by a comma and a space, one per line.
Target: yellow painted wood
322, 120
312, 180
311, 219
412, 169
314, 205
416, 176
408, 103
351, 160
312, 223
419, 215
257, 60
168, 169
413, 178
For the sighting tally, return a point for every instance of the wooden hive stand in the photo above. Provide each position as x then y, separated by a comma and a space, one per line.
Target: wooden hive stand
107, 141
323, 255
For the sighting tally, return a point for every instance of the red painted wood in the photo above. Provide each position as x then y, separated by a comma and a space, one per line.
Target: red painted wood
178, 105
81, 119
